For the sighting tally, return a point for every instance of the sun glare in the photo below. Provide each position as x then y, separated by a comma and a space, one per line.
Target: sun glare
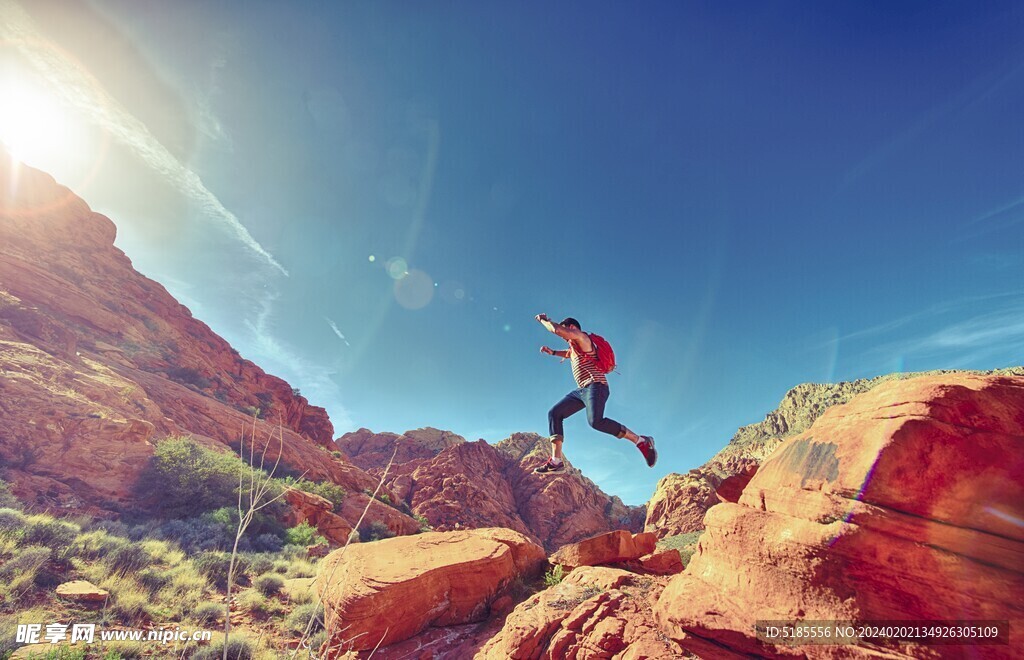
33, 126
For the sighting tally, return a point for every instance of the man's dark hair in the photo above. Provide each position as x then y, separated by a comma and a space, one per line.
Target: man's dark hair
571, 321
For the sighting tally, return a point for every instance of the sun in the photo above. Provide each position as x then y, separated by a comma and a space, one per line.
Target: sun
34, 126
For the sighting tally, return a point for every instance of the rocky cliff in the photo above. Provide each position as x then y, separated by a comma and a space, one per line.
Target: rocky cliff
457, 484
97, 363
904, 504
681, 500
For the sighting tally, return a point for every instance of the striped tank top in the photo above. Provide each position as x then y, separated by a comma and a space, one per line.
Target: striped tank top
584, 366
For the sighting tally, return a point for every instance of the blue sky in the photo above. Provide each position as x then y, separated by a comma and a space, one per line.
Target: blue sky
740, 196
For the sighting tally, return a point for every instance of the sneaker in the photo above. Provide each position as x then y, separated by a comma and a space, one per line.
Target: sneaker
646, 447
550, 466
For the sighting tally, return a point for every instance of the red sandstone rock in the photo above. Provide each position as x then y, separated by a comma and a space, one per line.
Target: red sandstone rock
99, 362
668, 562
368, 450
611, 548
903, 504
474, 484
593, 613
390, 590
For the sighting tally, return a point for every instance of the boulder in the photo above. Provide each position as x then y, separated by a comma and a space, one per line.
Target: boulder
611, 548
82, 591
668, 562
903, 504
390, 590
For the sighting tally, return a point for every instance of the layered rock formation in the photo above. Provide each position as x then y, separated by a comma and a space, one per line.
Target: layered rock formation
681, 500
593, 613
98, 362
904, 504
456, 485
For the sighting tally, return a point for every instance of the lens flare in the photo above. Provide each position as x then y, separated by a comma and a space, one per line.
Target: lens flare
397, 268
415, 290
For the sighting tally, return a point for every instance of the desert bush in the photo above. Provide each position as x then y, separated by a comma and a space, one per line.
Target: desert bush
128, 599
214, 567
303, 535
128, 559
331, 492
374, 531
18, 575
96, 543
267, 542
300, 616
12, 523
239, 647
153, 579
301, 568
260, 563
554, 576
45, 530
268, 584
184, 478
258, 605
206, 614
163, 551
7, 498
188, 376
112, 527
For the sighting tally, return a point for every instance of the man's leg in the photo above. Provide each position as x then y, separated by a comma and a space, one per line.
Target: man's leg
596, 395
570, 404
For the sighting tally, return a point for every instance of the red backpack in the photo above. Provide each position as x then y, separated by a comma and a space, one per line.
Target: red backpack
605, 354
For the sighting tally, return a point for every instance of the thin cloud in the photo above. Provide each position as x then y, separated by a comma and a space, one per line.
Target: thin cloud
993, 335
314, 378
334, 327
79, 89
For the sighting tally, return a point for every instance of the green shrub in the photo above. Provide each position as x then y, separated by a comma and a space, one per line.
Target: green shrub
95, 544
128, 559
239, 648
214, 566
18, 575
554, 576
300, 616
12, 523
374, 531
7, 498
258, 564
45, 530
184, 478
331, 492
207, 614
268, 584
303, 535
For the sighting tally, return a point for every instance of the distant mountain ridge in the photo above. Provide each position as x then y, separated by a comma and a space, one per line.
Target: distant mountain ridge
457, 484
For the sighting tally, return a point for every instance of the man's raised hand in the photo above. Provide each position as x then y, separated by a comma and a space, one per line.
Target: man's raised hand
546, 351
541, 318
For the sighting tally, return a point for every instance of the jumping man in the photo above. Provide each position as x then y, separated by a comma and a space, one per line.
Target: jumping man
591, 393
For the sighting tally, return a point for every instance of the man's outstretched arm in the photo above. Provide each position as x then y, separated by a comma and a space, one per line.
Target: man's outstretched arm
550, 351
567, 333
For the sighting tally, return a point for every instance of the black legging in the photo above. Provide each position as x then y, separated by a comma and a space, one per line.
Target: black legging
592, 397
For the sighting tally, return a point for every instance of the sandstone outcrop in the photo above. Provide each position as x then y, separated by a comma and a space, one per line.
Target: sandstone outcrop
611, 548
368, 450
456, 484
592, 613
97, 363
390, 590
903, 504
680, 501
